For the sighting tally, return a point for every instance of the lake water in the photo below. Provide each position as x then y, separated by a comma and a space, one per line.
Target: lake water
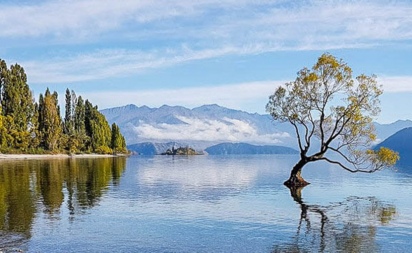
200, 204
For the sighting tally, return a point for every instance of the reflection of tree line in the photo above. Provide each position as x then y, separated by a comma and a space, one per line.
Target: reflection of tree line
347, 226
28, 186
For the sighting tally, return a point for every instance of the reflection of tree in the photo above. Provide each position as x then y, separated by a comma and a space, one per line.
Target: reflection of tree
16, 205
90, 178
30, 186
50, 178
347, 226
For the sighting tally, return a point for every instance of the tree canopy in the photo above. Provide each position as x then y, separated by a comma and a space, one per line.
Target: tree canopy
332, 114
27, 126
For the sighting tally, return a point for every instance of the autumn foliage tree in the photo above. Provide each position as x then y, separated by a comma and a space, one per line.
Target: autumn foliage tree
331, 113
51, 121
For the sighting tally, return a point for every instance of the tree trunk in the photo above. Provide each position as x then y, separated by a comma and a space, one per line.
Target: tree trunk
295, 179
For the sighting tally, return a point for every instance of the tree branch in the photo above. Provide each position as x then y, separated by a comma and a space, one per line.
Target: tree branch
297, 135
349, 169
344, 156
309, 137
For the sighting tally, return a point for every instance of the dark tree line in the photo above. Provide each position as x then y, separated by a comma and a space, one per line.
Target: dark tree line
27, 126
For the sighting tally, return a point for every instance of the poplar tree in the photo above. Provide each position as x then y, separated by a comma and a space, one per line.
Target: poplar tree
98, 129
40, 120
35, 135
118, 143
73, 105
17, 105
3, 75
17, 100
79, 118
3, 130
68, 119
52, 127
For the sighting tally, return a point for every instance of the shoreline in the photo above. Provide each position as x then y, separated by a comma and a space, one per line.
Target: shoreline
50, 156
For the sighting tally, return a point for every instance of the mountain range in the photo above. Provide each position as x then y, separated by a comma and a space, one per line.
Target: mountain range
209, 125
199, 127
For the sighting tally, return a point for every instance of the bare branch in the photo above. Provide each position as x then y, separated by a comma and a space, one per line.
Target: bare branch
342, 155
297, 135
352, 170
312, 131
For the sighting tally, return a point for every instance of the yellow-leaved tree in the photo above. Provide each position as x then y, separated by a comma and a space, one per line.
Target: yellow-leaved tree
327, 105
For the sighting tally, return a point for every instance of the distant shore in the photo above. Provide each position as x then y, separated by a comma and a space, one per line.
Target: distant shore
50, 156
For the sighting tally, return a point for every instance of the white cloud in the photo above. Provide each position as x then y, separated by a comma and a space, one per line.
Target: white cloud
396, 83
269, 19
65, 18
93, 17
111, 63
195, 129
205, 28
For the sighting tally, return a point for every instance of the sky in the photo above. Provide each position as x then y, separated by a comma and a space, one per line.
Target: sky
234, 53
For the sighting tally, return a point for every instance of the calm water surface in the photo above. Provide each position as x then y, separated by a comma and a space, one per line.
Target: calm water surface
200, 204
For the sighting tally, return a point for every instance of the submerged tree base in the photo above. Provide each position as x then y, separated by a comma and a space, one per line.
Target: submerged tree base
295, 181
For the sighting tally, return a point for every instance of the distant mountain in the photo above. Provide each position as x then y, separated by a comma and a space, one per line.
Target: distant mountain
245, 149
400, 142
383, 131
208, 125
145, 148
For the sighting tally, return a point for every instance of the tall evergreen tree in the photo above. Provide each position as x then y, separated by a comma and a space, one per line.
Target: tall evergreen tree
3, 76
97, 129
79, 119
68, 113
40, 120
17, 105
73, 105
116, 142
79, 125
35, 128
3, 132
17, 100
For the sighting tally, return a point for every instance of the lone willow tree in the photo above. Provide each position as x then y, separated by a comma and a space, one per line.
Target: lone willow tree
332, 115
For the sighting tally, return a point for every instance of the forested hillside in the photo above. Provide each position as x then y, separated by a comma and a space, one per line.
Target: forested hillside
27, 126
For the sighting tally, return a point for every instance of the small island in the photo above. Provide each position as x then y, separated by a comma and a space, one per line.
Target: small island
181, 151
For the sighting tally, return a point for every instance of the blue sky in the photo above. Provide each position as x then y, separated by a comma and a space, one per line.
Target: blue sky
230, 52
